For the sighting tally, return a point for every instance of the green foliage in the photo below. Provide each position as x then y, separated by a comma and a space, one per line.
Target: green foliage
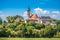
28, 29
20, 27
0, 20
11, 25
31, 23
39, 26
10, 19
1, 27
18, 16
58, 27
28, 32
3, 33
57, 35
58, 21
49, 31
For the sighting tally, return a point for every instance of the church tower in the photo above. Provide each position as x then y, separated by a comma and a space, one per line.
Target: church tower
28, 12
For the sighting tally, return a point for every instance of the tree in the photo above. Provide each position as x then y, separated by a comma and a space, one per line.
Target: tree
30, 27
4, 23
0, 20
49, 31
58, 27
1, 28
19, 33
10, 19
36, 33
58, 22
3, 32
21, 18
39, 26
8, 31
57, 35
20, 27
29, 31
11, 25
31, 23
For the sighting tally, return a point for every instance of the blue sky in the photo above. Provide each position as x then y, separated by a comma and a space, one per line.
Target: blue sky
45, 7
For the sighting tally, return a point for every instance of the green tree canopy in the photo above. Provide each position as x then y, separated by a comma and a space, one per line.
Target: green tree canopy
0, 20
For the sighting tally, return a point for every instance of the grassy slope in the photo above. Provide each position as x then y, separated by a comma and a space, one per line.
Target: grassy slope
29, 38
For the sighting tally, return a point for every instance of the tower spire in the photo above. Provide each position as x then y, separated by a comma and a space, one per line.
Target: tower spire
28, 8
28, 12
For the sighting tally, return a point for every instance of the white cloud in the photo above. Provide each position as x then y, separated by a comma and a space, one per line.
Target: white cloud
25, 15
41, 11
2, 15
55, 12
53, 16
45, 12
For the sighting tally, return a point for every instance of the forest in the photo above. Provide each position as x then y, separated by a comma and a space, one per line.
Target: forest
28, 29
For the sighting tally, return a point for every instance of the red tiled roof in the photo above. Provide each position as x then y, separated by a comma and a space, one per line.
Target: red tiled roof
34, 16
